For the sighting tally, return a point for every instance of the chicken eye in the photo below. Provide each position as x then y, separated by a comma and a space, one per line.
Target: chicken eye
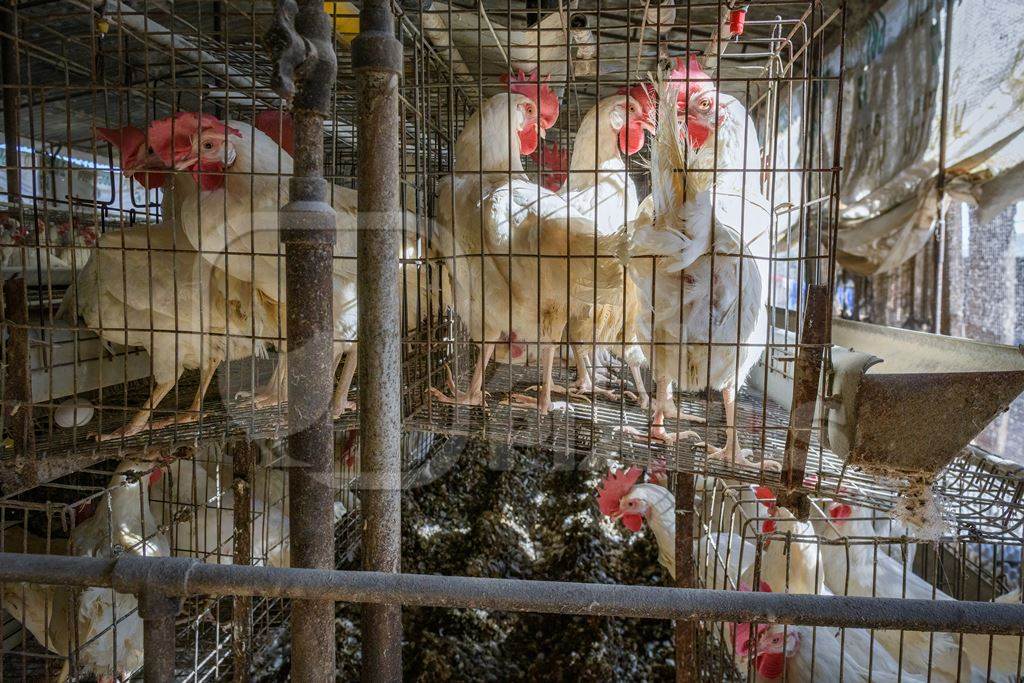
208, 145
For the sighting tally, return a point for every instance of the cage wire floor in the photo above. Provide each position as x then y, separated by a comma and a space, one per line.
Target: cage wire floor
204, 628
59, 451
981, 496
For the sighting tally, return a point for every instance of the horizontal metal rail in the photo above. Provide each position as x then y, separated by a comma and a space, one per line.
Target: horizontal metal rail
179, 577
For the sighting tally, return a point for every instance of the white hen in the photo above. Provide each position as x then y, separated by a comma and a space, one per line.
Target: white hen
600, 188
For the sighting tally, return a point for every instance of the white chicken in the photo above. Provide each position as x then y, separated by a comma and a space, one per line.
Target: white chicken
207, 531
228, 211
724, 558
600, 188
197, 505
473, 233
148, 287
108, 634
710, 319
859, 568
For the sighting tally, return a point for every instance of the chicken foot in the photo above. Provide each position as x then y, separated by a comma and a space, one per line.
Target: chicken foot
274, 392
657, 431
641, 395
340, 402
194, 410
474, 396
729, 452
543, 399
140, 421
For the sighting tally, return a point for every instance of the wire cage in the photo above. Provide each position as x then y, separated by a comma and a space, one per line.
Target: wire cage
616, 221
181, 504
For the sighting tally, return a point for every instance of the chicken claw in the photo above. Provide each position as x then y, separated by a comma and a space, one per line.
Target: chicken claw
124, 431
744, 456
668, 407
462, 398
264, 398
658, 433
339, 408
536, 402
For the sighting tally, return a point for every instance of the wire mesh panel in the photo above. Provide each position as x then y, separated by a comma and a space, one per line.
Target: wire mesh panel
616, 218
182, 506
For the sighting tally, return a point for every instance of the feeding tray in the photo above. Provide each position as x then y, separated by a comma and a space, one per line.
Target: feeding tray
908, 402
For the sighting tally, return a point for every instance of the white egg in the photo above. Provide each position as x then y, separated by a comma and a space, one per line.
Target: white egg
74, 412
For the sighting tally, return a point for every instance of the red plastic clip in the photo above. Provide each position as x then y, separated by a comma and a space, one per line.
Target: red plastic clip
737, 18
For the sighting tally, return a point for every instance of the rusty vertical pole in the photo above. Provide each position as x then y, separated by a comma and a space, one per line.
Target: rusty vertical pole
806, 378
940, 181
241, 606
158, 613
687, 664
377, 61
10, 78
302, 40
17, 376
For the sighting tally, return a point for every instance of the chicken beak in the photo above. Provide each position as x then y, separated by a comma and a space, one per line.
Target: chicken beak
648, 126
543, 132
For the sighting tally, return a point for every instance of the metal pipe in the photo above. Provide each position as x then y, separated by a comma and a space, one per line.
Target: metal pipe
686, 660
377, 62
179, 578
10, 78
158, 613
940, 182
18, 376
301, 38
806, 377
241, 606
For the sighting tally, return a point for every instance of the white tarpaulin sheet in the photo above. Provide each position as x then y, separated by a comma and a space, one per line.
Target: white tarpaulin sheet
892, 113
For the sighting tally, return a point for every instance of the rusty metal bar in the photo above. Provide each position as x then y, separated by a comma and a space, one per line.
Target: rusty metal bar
158, 613
10, 79
806, 376
177, 577
940, 181
18, 379
377, 62
302, 39
686, 652
242, 461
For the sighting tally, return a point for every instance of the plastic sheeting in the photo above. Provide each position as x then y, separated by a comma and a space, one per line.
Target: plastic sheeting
891, 117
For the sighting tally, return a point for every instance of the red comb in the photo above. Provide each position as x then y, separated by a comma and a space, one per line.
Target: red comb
766, 496
172, 136
127, 139
555, 161
646, 94
279, 127
131, 143
691, 74
614, 487
529, 85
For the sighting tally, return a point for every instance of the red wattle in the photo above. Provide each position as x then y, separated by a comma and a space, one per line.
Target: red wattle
771, 665
209, 176
698, 133
633, 522
528, 140
631, 138
150, 180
